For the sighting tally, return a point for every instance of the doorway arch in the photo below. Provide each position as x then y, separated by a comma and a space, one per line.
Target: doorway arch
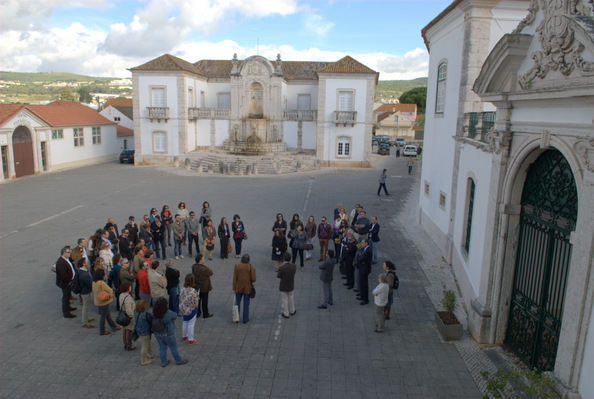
22, 148
256, 102
548, 215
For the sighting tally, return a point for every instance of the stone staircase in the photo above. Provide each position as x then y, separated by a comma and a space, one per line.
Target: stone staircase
217, 161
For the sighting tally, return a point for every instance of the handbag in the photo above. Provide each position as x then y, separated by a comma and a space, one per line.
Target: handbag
235, 313
103, 296
210, 246
123, 319
253, 292
308, 246
244, 235
229, 248
135, 335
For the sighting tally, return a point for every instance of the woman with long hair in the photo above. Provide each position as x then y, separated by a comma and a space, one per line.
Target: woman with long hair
238, 234
298, 239
143, 329
280, 223
102, 297
310, 230
188, 306
208, 234
159, 236
167, 220
279, 247
224, 235
294, 221
127, 305
164, 329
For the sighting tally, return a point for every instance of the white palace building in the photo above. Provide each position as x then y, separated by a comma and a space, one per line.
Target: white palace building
254, 106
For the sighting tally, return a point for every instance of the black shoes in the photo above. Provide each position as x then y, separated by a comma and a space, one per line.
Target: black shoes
322, 307
206, 316
363, 303
284, 315
69, 316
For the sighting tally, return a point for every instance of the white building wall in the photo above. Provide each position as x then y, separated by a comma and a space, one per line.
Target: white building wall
446, 44
203, 132
64, 152
211, 93
294, 90
356, 132
111, 112
586, 386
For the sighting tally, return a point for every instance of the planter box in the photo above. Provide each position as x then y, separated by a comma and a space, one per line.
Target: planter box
448, 332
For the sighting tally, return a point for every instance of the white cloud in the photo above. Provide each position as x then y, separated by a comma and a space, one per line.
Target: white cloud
318, 25
28, 14
163, 24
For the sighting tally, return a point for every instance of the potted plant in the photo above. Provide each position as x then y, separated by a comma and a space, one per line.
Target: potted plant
446, 321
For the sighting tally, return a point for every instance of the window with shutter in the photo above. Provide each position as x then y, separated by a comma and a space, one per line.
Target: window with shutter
160, 141
303, 102
224, 100
158, 97
345, 100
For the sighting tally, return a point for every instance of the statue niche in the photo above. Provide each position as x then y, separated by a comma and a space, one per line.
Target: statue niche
256, 101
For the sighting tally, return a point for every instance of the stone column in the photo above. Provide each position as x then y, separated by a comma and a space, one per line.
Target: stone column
213, 132
300, 136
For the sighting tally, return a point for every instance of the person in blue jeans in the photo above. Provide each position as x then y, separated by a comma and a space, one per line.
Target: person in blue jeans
163, 326
172, 276
244, 276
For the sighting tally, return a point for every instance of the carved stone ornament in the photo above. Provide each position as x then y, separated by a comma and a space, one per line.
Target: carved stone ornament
254, 68
235, 64
585, 150
560, 51
499, 142
279, 65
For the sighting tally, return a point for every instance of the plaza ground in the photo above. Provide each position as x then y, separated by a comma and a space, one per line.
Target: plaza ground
332, 353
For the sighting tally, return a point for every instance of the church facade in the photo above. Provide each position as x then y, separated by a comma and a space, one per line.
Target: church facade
507, 186
254, 106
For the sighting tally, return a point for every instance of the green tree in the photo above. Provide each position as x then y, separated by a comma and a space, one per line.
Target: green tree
84, 96
418, 96
66, 95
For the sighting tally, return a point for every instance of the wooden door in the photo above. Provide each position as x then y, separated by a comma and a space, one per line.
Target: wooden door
22, 148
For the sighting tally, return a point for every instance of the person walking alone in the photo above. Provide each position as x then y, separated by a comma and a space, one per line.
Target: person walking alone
410, 164
382, 183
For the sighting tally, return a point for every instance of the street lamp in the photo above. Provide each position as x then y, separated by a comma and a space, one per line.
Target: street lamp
397, 126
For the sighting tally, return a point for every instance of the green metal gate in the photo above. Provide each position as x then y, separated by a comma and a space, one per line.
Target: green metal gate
548, 216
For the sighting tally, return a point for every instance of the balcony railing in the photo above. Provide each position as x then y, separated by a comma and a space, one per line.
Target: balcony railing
158, 113
208, 113
345, 117
300, 115
477, 125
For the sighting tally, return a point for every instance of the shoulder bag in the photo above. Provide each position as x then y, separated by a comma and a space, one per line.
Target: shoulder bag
123, 319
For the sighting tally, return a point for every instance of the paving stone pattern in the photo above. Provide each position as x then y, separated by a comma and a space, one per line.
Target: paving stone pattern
316, 353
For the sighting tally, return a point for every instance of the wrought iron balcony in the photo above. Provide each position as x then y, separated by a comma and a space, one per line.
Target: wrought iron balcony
345, 117
158, 113
477, 124
300, 115
208, 113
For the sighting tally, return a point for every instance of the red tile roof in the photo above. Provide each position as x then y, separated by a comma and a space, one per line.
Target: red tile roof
292, 70
167, 62
7, 111
117, 102
397, 108
124, 131
57, 115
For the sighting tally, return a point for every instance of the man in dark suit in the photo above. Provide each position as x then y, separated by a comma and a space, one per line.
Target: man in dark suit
64, 276
286, 273
132, 230
327, 275
126, 245
374, 237
364, 266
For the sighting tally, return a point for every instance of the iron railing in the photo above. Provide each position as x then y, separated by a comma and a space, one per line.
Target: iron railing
478, 124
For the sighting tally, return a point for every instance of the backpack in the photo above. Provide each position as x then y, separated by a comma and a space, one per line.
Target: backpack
157, 325
396, 281
76, 288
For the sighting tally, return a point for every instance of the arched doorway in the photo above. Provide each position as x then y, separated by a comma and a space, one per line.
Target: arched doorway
22, 148
256, 101
548, 216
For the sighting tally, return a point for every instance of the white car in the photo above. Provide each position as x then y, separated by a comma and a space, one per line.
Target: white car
410, 151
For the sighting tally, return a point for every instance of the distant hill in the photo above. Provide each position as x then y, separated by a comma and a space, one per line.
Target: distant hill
48, 77
395, 88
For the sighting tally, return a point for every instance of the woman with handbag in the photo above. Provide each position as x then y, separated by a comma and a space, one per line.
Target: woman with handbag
224, 235
103, 296
238, 233
127, 307
298, 240
310, 230
188, 305
208, 234
143, 330
279, 247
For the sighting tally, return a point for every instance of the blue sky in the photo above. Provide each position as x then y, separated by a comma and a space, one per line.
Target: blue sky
104, 37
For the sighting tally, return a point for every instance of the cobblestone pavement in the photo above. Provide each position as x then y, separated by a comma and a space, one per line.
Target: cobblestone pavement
330, 353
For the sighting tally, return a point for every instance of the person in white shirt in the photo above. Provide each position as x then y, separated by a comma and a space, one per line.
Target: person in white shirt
380, 294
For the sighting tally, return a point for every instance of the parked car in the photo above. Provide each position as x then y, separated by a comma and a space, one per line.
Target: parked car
410, 151
383, 149
399, 141
380, 138
127, 156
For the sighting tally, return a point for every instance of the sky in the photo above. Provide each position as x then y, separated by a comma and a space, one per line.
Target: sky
106, 37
